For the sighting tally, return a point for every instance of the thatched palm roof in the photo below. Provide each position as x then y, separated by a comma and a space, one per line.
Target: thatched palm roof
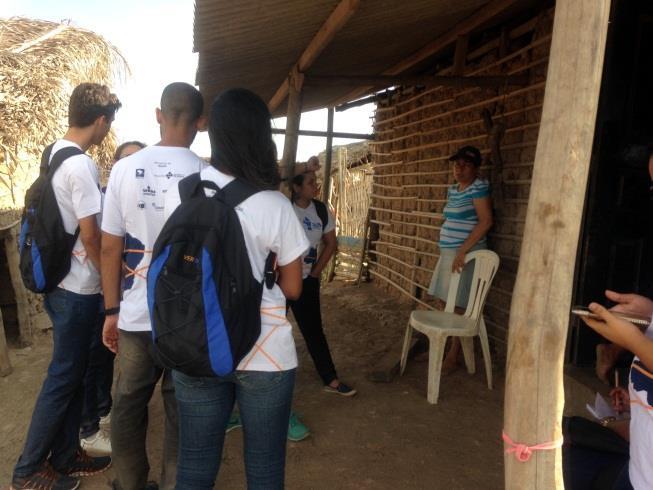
40, 64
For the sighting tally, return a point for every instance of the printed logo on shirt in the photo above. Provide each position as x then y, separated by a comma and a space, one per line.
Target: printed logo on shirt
148, 191
140, 204
162, 164
309, 225
157, 208
140, 173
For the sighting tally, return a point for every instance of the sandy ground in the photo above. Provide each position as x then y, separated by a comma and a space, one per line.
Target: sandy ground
387, 437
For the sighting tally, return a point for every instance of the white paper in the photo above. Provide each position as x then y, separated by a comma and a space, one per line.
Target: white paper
602, 409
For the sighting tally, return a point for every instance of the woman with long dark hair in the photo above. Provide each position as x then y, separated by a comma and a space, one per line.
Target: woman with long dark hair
262, 385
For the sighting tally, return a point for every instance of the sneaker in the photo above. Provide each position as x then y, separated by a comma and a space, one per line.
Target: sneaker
47, 479
341, 389
106, 420
234, 422
297, 431
85, 465
98, 443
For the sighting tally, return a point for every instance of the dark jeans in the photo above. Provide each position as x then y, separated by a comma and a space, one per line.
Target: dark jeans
589, 469
138, 374
309, 319
54, 429
205, 404
97, 384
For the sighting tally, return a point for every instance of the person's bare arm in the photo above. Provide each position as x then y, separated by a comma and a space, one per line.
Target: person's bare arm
330, 247
622, 333
112, 250
89, 234
483, 207
290, 279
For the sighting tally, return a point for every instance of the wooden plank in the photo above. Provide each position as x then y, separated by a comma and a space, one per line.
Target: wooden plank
5, 364
460, 55
539, 312
382, 81
336, 21
22, 303
326, 185
464, 27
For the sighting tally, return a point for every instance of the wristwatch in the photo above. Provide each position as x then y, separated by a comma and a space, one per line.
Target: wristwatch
112, 311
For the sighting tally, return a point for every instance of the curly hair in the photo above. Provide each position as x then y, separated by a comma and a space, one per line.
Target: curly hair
90, 101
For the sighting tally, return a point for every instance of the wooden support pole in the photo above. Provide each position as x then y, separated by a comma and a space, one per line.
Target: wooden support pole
22, 304
539, 314
295, 81
5, 365
326, 185
336, 21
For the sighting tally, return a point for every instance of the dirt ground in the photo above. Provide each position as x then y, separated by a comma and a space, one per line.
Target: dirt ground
386, 437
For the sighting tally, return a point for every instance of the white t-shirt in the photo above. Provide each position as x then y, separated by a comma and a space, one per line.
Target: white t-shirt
133, 208
269, 225
77, 189
312, 224
640, 389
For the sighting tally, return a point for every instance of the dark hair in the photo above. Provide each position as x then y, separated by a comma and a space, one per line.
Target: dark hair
241, 139
297, 180
182, 103
90, 101
116, 155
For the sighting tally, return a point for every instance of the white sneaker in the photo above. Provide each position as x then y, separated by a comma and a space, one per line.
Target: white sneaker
106, 420
98, 443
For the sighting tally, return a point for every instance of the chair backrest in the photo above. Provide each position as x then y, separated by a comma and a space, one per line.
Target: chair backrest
485, 267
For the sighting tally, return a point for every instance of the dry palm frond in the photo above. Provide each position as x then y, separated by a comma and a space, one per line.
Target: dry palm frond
40, 64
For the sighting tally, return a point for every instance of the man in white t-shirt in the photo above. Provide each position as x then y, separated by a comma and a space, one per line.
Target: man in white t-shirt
131, 222
52, 439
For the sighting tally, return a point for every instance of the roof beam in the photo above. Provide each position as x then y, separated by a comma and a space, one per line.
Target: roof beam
336, 21
462, 28
383, 81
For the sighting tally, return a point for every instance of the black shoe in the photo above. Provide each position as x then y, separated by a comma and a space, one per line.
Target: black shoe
46, 479
85, 465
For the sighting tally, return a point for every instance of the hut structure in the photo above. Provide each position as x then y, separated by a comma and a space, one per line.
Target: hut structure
520, 79
40, 64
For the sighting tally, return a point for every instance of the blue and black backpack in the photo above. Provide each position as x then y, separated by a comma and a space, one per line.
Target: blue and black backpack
205, 303
43, 244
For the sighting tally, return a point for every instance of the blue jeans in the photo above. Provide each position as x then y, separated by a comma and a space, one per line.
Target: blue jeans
97, 383
54, 429
204, 405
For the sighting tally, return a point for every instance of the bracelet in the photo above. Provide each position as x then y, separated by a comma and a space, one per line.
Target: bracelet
606, 420
112, 311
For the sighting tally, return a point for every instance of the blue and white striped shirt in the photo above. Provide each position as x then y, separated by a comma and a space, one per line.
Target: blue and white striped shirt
460, 215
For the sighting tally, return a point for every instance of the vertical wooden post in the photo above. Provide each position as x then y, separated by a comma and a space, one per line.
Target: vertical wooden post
13, 263
326, 185
293, 117
539, 312
460, 54
5, 365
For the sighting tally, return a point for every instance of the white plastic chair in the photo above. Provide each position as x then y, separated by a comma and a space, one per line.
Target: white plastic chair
438, 325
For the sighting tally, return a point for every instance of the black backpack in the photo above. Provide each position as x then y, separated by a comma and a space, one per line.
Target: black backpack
205, 303
321, 210
43, 244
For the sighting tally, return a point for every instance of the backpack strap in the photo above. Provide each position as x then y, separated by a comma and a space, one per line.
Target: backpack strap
322, 212
59, 157
237, 191
45, 159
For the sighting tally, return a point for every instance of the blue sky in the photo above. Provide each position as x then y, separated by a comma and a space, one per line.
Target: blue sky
156, 38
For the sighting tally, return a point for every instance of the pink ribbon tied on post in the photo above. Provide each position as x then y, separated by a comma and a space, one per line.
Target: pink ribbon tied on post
523, 452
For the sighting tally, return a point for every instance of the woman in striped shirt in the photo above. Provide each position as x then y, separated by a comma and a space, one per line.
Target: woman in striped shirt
468, 218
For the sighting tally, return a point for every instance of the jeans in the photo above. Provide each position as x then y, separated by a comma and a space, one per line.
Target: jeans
138, 374
54, 429
97, 384
309, 319
205, 404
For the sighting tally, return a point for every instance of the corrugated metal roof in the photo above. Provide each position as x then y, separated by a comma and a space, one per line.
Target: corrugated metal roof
254, 43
